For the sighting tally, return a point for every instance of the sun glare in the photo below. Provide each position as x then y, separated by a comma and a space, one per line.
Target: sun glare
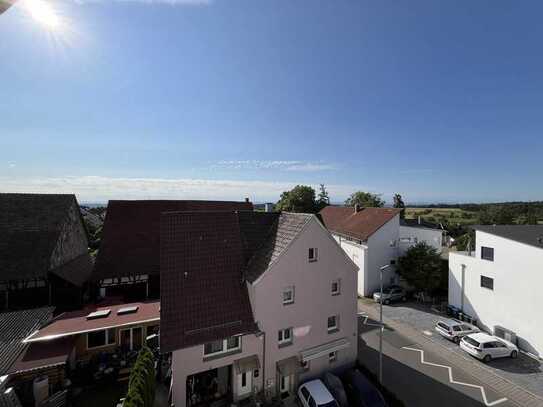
43, 12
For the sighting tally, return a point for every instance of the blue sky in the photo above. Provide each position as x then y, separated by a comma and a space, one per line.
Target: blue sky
222, 99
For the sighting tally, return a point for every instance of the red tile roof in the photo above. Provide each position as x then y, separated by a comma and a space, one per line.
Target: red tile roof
203, 293
131, 235
359, 225
41, 355
76, 322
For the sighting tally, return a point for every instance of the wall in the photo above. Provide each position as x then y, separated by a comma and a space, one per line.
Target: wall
381, 253
188, 361
313, 302
518, 277
432, 237
357, 252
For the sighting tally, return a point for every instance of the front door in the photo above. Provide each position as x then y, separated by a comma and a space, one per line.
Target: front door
245, 382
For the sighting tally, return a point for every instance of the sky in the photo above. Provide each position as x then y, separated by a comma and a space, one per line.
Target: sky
440, 101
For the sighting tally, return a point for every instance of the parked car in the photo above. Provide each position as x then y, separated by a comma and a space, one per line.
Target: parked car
335, 386
487, 347
454, 329
361, 392
315, 394
390, 294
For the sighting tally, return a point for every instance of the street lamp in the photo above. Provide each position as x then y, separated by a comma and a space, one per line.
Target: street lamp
381, 270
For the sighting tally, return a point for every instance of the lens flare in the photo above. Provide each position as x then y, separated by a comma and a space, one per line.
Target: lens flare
43, 12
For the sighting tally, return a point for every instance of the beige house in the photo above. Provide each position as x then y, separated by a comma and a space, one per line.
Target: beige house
253, 304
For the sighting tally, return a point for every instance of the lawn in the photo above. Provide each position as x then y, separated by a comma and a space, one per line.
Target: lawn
453, 216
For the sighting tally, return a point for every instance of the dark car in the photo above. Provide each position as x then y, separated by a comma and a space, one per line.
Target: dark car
361, 392
334, 385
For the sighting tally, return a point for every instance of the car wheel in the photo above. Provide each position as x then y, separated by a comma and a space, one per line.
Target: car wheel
487, 358
514, 354
456, 340
386, 302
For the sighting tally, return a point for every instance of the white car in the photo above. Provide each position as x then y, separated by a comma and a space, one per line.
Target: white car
315, 394
454, 330
487, 347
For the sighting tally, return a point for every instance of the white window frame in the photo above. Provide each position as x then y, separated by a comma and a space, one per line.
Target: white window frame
338, 291
292, 291
106, 336
225, 348
131, 329
336, 326
315, 256
281, 339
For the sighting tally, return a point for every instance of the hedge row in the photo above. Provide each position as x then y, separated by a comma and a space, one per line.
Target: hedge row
141, 383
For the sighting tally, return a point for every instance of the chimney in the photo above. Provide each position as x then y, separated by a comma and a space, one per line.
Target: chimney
357, 208
247, 200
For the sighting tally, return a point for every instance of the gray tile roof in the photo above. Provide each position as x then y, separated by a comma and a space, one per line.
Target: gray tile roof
287, 227
527, 234
16, 326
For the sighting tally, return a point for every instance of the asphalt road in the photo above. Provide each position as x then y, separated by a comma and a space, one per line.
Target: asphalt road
419, 384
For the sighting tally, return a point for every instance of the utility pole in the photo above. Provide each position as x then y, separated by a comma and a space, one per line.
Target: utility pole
381, 326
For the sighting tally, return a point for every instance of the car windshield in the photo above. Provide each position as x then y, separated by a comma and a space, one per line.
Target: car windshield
472, 341
329, 404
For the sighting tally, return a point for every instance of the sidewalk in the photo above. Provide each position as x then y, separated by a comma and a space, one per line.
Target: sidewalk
510, 390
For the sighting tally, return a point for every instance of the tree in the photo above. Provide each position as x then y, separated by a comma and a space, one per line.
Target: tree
398, 203
365, 199
299, 199
422, 267
496, 215
141, 383
323, 199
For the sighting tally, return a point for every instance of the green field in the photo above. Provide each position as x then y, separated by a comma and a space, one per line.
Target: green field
453, 216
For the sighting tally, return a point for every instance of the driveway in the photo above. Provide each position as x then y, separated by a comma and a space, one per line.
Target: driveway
523, 375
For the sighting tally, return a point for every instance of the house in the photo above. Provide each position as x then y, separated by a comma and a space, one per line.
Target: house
500, 282
370, 238
128, 261
44, 257
413, 231
253, 303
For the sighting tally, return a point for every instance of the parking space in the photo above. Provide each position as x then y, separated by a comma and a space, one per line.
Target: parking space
524, 371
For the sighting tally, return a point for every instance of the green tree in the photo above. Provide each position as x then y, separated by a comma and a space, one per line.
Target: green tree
141, 383
496, 215
323, 199
422, 267
399, 203
299, 199
365, 199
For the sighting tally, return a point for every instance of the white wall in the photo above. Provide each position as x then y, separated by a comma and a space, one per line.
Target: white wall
432, 237
358, 254
514, 303
313, 302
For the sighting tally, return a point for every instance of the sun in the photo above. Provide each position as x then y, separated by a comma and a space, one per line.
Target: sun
43, 12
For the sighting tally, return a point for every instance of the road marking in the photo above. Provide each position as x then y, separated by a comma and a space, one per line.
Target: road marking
427, 333
483, 393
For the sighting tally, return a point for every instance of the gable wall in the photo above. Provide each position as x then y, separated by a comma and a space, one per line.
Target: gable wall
72, 241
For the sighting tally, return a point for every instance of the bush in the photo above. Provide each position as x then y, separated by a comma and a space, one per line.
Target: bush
141, 383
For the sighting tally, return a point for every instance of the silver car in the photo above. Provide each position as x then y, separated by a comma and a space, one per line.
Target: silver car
454, 329
487, 347
390, 294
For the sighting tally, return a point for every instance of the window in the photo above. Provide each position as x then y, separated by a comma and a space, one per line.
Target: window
131, 338
313, 254
336, 287
392, 262
222, 346
284, 336
244, 379
332, 323
97, 339
487, 253
332, 356
288, 295
487, 282
305, 393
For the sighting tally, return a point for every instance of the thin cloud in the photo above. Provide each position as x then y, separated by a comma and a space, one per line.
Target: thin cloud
11, 164
101, 189
300, 166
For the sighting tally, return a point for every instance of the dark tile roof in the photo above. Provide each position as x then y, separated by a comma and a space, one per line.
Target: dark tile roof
359, 225
76, 271
30, 225
416, 223
131, 234
528, 234
203, 295
16, 326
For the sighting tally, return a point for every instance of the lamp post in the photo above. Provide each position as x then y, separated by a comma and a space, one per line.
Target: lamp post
381, 270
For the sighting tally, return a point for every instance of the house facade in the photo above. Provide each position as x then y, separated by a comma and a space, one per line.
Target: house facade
414, 231
289, 313
499, 283
370, 237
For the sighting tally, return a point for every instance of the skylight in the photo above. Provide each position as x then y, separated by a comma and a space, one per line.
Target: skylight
127, 310
99, 314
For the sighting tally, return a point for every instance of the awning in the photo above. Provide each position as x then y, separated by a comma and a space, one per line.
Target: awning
289, 366
323, 350
247, 364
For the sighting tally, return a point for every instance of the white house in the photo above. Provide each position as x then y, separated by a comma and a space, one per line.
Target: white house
500, 283
413, 231
253, 303
370, 238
